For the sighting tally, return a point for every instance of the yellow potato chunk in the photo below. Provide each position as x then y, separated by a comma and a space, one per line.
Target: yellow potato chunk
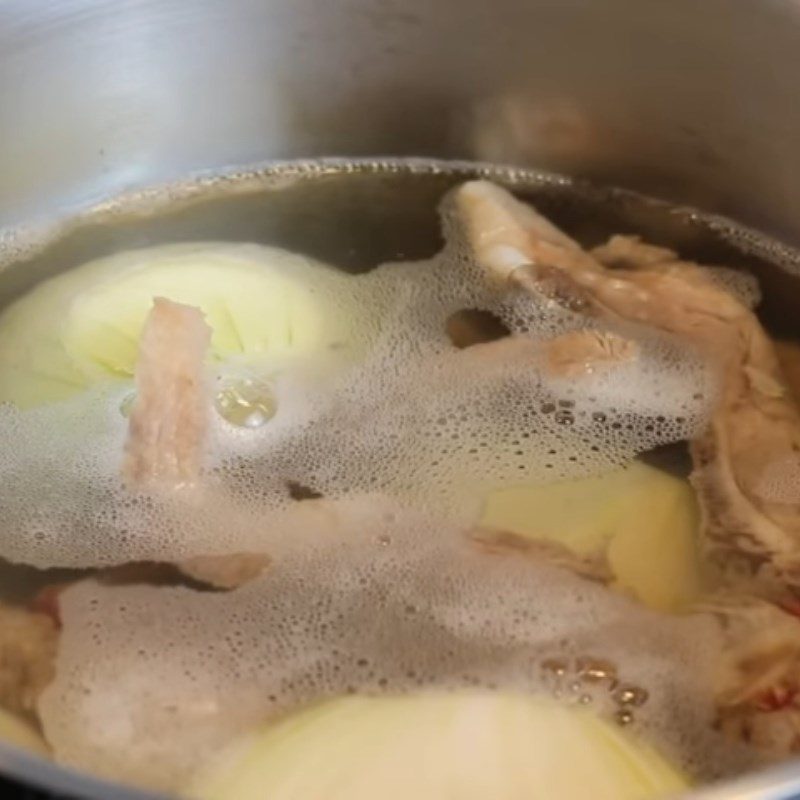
643, 520
20, 734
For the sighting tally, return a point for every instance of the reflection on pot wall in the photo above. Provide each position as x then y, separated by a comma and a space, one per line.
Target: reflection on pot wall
697, 102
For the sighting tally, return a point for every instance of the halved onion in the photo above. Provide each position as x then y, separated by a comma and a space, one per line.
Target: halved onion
83, 326
472, 746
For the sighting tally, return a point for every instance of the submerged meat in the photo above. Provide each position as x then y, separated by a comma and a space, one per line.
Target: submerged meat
492, 541
169, 420
747, 463
28, 643
758, 684
586, 352
225, 572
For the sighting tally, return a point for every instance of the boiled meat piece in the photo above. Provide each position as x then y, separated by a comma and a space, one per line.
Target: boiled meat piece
586, 352
747, 462
225, 572
170, 415
758, 681
169, 425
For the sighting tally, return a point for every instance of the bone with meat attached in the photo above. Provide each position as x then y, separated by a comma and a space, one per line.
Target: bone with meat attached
747, 462
757, 694
746, 466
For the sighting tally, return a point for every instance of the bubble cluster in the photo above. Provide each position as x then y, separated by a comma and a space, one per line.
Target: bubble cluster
742, 285
406, 414
153, 680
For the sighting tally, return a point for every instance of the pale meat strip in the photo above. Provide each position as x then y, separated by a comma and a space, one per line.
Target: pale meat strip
586, 352
169, 426
630, 252
169, 421
755, 427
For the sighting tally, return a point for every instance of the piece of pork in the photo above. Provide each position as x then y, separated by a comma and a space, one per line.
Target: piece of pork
169, 419
758, 681
586, 352
169, 427
225, 572
747, 463
496, 541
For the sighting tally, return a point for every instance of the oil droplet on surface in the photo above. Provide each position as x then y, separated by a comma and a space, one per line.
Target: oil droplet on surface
630, 696
554, 666
593, 670
246, 403
624, 717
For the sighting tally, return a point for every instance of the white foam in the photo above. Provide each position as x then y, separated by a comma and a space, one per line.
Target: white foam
152, 681
415, 419
744, 286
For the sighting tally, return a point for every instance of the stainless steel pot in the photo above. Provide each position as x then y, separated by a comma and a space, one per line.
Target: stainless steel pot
696, 102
